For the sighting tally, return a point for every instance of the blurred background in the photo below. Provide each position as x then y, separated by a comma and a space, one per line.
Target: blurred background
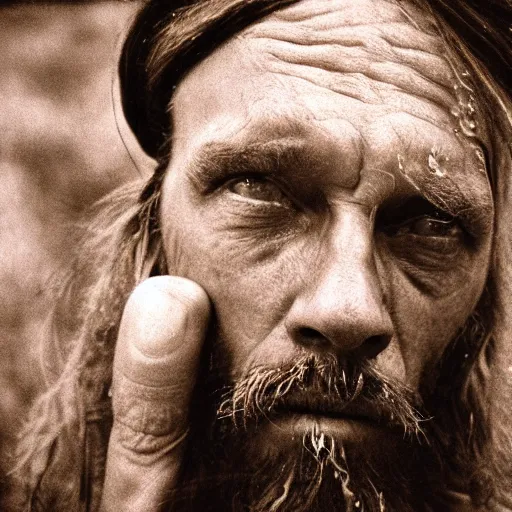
60, 150
63, 145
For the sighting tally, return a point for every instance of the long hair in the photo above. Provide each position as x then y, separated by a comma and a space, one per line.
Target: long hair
121, 245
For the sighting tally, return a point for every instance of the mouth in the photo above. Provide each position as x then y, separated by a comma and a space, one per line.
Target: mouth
318, 405
288, 429
355, 424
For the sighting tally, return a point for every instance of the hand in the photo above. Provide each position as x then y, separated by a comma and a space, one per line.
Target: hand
155, 367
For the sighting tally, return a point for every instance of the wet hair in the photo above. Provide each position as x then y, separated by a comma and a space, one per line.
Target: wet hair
120, 246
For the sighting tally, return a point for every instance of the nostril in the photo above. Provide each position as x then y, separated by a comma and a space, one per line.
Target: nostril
312, 338
374, 345
370, 348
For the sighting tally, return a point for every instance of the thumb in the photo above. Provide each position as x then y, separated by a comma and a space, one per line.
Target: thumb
155, 367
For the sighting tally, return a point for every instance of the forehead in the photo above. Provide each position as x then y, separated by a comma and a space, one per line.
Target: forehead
371, 76
360, 54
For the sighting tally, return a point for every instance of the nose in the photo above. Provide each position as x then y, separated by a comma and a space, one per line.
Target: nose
340, 307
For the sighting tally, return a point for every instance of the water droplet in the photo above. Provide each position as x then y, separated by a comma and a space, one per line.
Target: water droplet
464, 111
468, 127
434, 163
455, 111
481, 159
400, 163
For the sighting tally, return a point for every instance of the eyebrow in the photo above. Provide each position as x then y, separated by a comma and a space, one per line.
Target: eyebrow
215, 161
468, 204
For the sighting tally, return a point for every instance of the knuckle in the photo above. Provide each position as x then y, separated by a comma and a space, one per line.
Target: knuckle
148, 410
145, 444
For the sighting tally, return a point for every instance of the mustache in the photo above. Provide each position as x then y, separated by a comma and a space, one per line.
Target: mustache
322, 385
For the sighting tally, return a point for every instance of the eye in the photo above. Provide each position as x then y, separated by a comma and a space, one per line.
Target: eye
428, 227
418, 217
258, 189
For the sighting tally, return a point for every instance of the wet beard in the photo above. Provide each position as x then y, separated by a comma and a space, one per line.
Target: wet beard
226, 470
317, 476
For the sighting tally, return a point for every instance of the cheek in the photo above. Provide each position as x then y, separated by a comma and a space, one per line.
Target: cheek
426, 323
253, 279
250, 282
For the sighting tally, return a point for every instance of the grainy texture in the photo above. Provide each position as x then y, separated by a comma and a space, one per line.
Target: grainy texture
59, 151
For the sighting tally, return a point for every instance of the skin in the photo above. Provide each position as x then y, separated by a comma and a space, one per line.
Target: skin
293, 259
335, 234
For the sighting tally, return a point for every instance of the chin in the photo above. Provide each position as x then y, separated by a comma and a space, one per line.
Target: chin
305, 463
329, 463
338, 439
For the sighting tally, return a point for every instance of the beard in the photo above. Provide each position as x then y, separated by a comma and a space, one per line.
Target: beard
230, 465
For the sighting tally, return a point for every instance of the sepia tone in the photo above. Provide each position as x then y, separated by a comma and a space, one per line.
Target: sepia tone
60, 151
97, 163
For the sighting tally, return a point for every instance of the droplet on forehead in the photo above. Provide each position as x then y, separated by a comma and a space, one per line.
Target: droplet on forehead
455, 111
465, 109
435, 160
403, 171
482, 165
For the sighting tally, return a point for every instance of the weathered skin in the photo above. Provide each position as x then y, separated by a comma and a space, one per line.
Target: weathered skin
293, 198
348, 96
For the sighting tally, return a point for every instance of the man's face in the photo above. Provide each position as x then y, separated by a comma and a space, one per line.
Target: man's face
324, 191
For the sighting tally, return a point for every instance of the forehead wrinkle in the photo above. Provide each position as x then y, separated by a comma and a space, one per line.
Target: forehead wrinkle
375, 78
348, 23
360, 88
397, 34
379, 41
328, 13
340, 54
360, 64
429, 77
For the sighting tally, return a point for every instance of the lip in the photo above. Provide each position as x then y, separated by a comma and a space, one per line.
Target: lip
354, 423
288, 430
327, 406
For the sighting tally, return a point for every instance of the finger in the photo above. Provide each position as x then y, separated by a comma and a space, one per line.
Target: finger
155, 366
